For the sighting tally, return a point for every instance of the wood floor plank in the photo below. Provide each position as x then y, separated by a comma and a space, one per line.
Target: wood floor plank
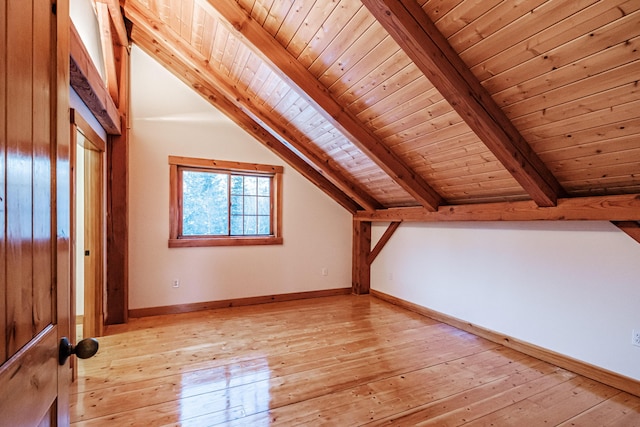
346, 360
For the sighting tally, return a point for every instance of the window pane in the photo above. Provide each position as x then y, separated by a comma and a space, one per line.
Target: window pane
264, 186
205, 203
250, 205
237, 205
250, 185
264, 225
236, 184
264, 206
236, 225
250, 225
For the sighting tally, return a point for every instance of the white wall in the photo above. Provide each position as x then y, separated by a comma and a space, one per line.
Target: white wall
170, 119
84, 18
573, 288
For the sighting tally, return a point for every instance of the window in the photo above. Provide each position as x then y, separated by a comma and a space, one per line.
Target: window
217, 203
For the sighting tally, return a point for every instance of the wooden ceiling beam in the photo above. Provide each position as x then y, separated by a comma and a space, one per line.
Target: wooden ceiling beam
314, 92
118, 21
384, 239
210, 93
108, 54
418, 36
597, 208
88, 84
177, 46
632, 228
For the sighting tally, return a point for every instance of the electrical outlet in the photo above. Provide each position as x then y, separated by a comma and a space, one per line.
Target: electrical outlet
176, 283
635, 337
324, 271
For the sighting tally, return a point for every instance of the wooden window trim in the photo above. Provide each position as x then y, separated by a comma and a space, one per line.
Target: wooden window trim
176, 240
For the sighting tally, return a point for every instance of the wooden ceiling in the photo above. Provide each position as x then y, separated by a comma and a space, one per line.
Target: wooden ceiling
426, 105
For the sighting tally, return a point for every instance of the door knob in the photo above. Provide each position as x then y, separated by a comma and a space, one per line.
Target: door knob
84, 349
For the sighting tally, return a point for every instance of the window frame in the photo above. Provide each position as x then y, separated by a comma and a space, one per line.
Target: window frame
178, 164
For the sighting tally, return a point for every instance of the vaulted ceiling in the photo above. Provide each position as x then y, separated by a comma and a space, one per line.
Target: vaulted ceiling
417, 106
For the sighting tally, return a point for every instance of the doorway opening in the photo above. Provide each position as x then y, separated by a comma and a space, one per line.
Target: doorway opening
89, 241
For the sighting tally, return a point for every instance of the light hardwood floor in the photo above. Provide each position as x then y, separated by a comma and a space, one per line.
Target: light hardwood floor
344, 361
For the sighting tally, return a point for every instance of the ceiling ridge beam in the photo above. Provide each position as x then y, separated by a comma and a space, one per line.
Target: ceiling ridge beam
154, 28
420, 39
314, 92
204, 88
624, 207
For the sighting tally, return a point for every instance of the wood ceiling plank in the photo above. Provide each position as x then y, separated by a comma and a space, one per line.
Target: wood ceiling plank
627, 163
198, 25
603, 81
584, 22
209, 31
239, 63
599, 147
294, 19
312, 26
612, 59
457, 23
261, 77
444, 68
609, 131
360, 48
259, 10
252, 70
584, 105
377, 77
532, 21
408, 100
418, 135
232, 46
406, 85
598, 208
376, 55
277, 13
438, 9
345, 19
173, 17
186, 19
327, 50
436, 115
268, 86
595, 41
467, 143
218, 46
490, 23
628, 169
307, 86
149, 29
602, 186
208, 91
594, 119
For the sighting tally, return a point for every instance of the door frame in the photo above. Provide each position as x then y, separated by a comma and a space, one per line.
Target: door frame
94, 298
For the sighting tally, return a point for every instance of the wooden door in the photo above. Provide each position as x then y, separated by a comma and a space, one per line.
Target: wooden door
34, 211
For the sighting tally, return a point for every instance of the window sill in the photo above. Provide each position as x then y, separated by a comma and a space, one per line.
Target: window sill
193, 242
